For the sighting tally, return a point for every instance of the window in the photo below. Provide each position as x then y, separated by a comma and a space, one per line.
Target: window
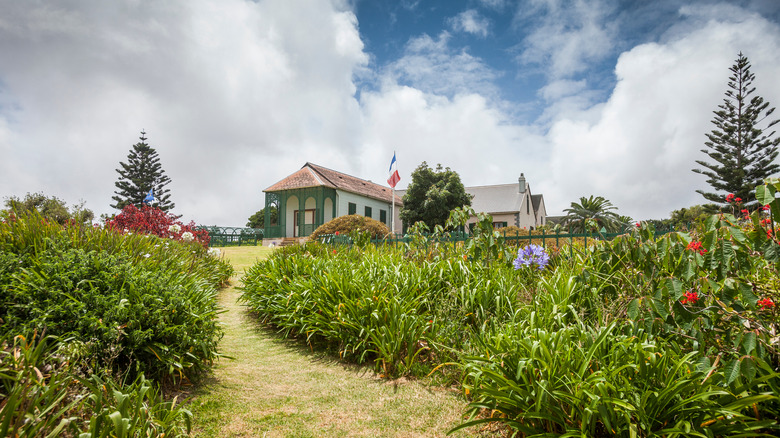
499, 225
383, 216
351, 208
368, 212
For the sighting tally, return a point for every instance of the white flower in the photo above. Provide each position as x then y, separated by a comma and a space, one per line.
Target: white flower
175, 228
187, 236
214, 252
147, 255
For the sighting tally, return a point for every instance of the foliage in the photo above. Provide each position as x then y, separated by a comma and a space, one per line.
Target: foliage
132, 303
741, 155
50, 208
637, 336
155, 221
44, 395
431, 196
591, 215
579, 381
257, 220
142, 173
485, 243
345, 225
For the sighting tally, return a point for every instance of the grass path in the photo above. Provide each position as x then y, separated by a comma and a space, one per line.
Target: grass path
278, 388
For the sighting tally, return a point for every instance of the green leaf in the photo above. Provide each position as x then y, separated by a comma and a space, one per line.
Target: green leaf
633, 308
732, 370
749, 342
765, 194
675, 288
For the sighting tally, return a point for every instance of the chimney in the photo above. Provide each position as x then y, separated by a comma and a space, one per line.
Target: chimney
521, 184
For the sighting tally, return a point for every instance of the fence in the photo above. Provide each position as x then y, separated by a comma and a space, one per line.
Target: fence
229, 236
542, 238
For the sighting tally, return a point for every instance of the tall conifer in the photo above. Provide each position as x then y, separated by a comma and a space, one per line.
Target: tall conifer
742, 155
141, 173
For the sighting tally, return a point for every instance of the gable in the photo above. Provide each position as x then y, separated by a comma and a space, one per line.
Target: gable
312, 175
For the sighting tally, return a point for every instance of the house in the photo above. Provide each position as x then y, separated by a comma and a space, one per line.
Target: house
508, 204
314, 195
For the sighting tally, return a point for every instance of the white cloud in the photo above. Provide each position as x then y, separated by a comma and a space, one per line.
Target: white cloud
236, 95
466, 133
470, 21
640, 150
565, 36
432, 66
493, 4
233, 95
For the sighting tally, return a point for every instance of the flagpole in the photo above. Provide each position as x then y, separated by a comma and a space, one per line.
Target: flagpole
392, 214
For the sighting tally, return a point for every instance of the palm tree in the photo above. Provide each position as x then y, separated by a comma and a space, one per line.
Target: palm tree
591, 214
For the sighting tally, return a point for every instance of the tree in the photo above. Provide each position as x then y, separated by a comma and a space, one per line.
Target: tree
592, 214
742, 156
432, 195
139, 175
50, 208
257, 220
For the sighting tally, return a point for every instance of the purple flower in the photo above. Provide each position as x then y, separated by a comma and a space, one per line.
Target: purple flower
531, 255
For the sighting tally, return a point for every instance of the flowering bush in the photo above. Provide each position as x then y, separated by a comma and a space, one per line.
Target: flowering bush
532, 255
150, 220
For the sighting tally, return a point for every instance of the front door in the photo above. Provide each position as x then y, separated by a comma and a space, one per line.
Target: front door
302, 230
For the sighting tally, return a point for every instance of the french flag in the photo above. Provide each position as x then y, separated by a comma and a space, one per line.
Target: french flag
394, 176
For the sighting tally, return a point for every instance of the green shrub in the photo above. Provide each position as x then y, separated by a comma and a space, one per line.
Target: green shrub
596, 382
132, 304
344, 225
43, 394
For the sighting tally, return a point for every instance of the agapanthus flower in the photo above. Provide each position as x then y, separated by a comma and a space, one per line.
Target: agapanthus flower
175, 228
532, 255
766, 303
690, 297
187, 236
214, 252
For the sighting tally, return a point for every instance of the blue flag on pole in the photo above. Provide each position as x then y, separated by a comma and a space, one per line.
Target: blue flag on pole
392, 162
149, 197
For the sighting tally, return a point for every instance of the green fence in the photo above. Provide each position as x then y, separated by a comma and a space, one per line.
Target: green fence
519, 238
230, 236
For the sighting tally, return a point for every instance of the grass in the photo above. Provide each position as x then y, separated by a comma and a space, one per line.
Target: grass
279, 388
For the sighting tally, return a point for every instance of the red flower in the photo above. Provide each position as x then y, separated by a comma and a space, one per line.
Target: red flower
737, 200
690, 297
766, 208
766, 303
730, 197
745, 212
638, 224
334, 251
766, 221
337, 233
696, 246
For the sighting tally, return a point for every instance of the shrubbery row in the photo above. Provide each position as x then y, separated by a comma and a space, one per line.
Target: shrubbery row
114, 307
634, 337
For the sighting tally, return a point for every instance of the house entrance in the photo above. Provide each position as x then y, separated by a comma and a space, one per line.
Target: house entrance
305, 229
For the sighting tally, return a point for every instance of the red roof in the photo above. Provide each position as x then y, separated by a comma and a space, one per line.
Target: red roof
312, 175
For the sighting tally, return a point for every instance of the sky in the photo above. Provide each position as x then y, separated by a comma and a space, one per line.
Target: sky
584, 97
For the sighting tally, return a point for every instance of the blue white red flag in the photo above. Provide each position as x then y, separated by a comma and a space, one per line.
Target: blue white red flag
394, 176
